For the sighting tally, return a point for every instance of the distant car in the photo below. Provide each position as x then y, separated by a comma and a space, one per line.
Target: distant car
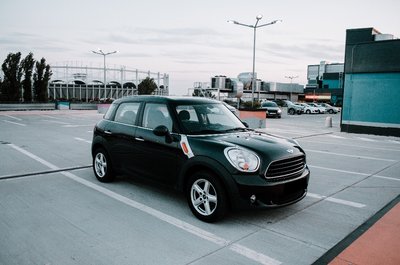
330, 109
280, 102
293, 108
321, 109
272, 109
308, 109
231, 108
199, 147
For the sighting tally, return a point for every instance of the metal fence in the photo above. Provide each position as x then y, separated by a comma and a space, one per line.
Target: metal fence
86, 93
83, 83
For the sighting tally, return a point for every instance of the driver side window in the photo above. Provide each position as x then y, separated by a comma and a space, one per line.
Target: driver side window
155, 115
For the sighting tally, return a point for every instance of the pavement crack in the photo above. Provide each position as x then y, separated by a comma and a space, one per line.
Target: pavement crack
43, 172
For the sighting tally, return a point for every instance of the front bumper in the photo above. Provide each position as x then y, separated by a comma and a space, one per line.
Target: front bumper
267, 194
273, 114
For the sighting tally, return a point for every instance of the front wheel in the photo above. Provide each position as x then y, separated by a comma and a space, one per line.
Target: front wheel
206, 197
102, 166
291, 111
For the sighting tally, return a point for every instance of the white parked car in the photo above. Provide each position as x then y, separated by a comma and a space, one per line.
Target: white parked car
330, 109
308, 109
321, 109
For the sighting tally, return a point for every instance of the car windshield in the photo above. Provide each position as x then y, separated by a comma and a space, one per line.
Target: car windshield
269, 104
208, 118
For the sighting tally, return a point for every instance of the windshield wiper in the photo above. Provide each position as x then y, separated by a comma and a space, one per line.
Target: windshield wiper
238, 129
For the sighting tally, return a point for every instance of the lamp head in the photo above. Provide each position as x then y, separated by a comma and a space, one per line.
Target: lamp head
259, 17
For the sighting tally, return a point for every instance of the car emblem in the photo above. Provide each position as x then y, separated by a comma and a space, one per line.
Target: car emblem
290, 151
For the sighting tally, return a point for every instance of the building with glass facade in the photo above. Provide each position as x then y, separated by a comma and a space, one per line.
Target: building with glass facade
325, 83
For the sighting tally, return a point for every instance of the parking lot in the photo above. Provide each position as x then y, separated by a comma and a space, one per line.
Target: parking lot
54, 211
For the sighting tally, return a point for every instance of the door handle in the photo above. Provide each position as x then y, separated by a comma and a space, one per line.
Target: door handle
108, 132
140, 139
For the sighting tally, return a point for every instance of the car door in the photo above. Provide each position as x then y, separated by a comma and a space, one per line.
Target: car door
155, 157
121, 136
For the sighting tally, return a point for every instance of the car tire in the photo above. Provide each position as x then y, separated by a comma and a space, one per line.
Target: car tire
291, 111
330, 111
206, 197
102, 167
308, 111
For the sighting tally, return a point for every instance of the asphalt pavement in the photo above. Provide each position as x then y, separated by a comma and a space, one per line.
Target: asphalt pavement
54, 211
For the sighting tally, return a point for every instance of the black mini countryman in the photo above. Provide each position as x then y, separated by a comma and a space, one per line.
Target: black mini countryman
200, 147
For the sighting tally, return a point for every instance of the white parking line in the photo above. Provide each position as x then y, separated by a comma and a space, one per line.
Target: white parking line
83, 140
350, 145
12, 117
354, 173
57, 122
336, 136
365, 139
383, 177
242, 250
346, 155
16, 123
51, 117
339, 201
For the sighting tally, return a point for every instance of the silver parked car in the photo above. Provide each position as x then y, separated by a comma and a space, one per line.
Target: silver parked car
330, 109
320, 108
308, 109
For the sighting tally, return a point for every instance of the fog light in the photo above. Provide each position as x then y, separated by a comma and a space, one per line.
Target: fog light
253, 198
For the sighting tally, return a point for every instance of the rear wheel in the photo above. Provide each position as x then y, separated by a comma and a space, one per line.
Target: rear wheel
291, 111
206, 197
102, 166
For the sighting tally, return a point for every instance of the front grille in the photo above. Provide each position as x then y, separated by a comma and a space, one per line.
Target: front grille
286, 168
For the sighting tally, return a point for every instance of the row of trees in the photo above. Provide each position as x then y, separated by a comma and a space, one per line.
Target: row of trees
24, 80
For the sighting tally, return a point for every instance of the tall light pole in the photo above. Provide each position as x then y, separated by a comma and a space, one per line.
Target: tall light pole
254, 27
100, 52
291, 87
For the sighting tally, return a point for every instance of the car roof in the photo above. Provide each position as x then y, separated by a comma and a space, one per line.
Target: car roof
165, 99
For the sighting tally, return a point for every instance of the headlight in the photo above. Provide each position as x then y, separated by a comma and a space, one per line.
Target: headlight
294, 141
243, 160
279, 110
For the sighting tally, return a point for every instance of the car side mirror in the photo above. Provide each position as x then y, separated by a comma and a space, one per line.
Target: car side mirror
162, 130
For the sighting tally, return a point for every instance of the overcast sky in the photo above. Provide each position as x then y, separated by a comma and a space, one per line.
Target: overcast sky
191, 40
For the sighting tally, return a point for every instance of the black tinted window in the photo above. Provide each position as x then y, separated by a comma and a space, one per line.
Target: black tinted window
127, 112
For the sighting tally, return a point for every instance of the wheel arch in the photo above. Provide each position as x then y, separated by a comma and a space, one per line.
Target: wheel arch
213, 167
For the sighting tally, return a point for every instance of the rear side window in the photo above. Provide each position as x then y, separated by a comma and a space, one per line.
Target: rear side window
110, 112
127, 112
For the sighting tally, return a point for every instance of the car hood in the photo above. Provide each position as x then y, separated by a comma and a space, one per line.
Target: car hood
270, 108
267, 146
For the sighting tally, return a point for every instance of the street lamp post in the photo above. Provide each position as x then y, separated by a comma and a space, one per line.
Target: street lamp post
291, 87
254, 27
100, 52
